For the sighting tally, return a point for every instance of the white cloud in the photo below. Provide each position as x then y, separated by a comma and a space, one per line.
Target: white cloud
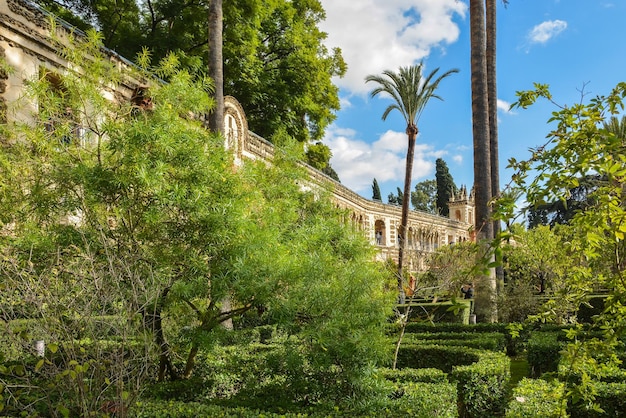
545, 31
504, 106
375, 35
357, 162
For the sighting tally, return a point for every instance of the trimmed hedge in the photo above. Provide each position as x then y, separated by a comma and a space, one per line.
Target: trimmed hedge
421, 400
437, 312
411, 399
482, 377
177, 409
422, 356
483, 386
493, 341
456, 327
415, 375
543, 353
537, 398
513, 345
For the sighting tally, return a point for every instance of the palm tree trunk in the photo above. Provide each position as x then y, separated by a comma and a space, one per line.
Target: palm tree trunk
411, 131
216, 72
480, 119
493, 101
216, 66
491, 13
482, 154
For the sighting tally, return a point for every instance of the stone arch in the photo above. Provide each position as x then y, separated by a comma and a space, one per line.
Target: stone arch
457, 215
235, 126
380, 232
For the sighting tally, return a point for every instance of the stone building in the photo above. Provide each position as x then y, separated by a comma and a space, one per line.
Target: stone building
25, 46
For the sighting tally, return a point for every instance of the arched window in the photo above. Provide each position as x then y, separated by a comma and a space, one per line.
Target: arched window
380, 232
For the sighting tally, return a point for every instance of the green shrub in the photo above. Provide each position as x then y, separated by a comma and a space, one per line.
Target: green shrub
455, 327
611, 397
415, 375
595, 307
423, 400
483, 386
488, 340
513, 345
178, 409
437, 312
421, 356
543, 353
537, 398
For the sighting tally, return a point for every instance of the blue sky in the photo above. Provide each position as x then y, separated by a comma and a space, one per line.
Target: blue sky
567, 44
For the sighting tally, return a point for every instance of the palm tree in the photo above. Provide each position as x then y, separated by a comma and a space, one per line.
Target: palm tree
616, 126
485, 126
216, 65
216, 72
492, 99
480, 120
410, 92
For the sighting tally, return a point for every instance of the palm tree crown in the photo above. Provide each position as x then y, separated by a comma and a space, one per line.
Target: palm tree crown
409, 90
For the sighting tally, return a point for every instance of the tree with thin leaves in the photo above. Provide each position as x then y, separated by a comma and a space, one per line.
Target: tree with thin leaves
410, 92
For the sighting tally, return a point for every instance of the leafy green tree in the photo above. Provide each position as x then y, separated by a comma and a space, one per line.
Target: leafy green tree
274, 60
561, 211
446, 188
396, 199
537, 262
144, 218
376, 191
580, 144
318, 156
424, 196
450, 267
410, 92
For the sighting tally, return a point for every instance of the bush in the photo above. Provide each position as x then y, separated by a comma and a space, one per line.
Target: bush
418, 356
513, 345
543, 353
483, 386
537, 398
415, 375
423, 400
178, 409
611, 397
456, 327
488, 341
437, 312
586, 313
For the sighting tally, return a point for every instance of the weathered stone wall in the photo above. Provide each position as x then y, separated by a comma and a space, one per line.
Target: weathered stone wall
26, 46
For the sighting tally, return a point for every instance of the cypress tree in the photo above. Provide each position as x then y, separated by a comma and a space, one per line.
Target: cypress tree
376, 191
445, 187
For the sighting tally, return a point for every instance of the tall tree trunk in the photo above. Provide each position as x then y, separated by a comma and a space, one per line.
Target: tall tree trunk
480, 120
411, 131
491, 14
216, 72
492, 98
482, 154
216, 65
